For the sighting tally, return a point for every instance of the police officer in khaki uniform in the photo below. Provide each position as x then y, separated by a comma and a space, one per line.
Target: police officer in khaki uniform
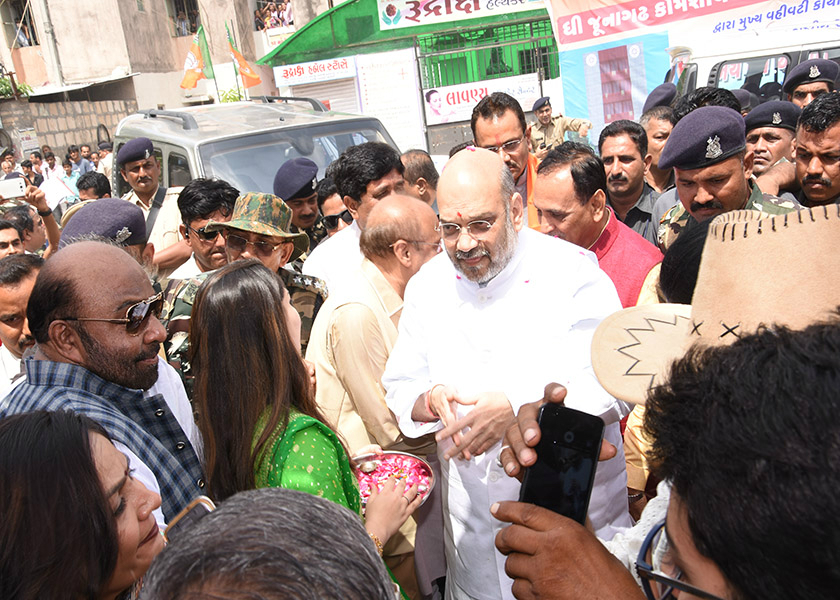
712, 167
550, 131
141, 170
258, 228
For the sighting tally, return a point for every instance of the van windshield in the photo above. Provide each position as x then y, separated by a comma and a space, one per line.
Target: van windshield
249, 163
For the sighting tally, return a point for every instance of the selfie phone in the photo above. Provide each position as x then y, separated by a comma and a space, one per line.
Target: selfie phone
12, 188
197, 508
567, 456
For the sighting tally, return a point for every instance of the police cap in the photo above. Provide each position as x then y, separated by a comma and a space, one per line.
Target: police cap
296, 178
704, 137
661, 95
110, 218
776, 113
540, 103
137, 149
811, 71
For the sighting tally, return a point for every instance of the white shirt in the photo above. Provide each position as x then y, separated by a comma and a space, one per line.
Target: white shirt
170, 387
10, 368
188, 270
337, 258
531, 325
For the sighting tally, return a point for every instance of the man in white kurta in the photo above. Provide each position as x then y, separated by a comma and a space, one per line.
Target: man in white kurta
484, 328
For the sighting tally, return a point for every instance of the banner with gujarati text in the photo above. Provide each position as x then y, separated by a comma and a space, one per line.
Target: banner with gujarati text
395, 14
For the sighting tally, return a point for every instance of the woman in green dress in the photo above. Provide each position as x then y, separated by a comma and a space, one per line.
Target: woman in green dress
256, 405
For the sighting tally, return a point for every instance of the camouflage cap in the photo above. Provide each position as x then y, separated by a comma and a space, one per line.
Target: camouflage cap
264, 214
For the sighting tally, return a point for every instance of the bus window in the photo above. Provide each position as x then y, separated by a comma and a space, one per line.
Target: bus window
762, 75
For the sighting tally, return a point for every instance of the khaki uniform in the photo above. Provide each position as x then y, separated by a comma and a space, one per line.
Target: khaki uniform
165, 231
307, 295
675, 220
554, 133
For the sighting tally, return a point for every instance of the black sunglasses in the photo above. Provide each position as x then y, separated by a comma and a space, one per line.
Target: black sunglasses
207, 236
331, 221
135, 316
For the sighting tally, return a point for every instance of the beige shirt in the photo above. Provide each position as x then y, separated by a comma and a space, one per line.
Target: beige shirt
165, 231
554, 133
351, 340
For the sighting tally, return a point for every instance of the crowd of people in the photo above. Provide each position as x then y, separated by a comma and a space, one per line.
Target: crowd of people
273, 14
180, 347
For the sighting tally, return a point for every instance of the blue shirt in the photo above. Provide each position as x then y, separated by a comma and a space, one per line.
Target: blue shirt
144, 425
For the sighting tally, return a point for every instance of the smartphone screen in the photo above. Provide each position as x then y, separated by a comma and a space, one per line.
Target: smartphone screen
567, 457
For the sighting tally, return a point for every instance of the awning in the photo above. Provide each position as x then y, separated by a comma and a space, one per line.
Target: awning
352, 27
49, 90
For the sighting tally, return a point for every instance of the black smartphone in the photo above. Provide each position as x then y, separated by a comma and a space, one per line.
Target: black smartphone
567, 456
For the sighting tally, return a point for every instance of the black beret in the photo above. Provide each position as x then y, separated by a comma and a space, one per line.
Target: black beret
137, 149
105, 146
662, 95
704, 137
776, 113
747, 99
540, 103
111, 218
295, 178
811, 71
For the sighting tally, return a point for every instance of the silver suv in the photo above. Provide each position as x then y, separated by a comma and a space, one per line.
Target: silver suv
244, 143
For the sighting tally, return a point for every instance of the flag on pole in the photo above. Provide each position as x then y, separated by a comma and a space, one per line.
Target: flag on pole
197, 65
240, 65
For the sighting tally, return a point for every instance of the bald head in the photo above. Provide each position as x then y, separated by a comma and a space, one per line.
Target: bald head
396, 217
475, 167
78, 278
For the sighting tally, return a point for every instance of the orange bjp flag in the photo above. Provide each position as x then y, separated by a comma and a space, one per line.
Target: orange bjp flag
249, 76
197, 65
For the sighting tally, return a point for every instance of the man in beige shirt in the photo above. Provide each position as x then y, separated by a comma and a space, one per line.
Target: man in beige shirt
549, 132
352, 338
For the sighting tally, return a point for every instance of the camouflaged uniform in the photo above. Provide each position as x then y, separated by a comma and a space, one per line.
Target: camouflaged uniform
675, 220
263, 214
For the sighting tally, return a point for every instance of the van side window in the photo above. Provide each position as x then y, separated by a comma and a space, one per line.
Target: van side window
179, 170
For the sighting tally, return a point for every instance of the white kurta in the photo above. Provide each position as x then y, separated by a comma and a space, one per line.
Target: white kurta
531, 325
336, 259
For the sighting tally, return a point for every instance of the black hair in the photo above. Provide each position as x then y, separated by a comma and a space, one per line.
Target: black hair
822, 113
418, 163
7, 152
21, 218
324, 189
359, 165
72, 148
49, 155
37, 155
681, 264
748, 435
14, 268
495, 106
5, 224
587, 170
26, 163
705, 96
659, 113
428, 95
631, 129
99, 182
462, 146
66, 162
202, 197
54, 296
58, 534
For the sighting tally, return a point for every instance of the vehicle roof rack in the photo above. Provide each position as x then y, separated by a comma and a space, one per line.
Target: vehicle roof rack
316, 104
187, 120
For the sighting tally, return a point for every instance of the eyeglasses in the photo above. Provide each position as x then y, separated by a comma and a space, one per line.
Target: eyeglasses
13, 244
135, 317
435, 245
660, 583
207, 236
477, 230
238, 244
331, 221
507, 147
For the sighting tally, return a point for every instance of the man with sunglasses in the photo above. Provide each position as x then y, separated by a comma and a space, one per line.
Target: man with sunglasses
352, 339
336, 215
482, 329
94, 315
201, 201
498, 124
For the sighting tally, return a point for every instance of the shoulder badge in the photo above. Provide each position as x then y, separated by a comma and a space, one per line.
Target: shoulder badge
815, 72
713, 147
122, 235
777, 118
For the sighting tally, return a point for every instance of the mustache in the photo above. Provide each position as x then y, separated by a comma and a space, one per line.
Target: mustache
151, 353
614, 178
474, 253
816, 179
696, 206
